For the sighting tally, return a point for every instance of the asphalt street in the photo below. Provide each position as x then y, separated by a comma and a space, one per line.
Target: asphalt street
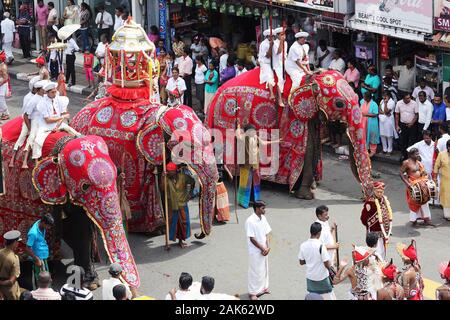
223, 254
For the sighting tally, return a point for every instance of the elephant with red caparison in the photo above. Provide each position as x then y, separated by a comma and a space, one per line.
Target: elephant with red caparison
325, 92
75, 180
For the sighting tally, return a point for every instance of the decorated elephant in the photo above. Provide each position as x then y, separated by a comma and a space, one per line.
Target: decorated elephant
75, 180
244, 100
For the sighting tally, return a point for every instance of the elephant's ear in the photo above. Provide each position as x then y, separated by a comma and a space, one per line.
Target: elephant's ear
48, 182
150, 143
303, 102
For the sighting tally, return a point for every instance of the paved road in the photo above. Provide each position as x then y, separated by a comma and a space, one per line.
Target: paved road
223, 255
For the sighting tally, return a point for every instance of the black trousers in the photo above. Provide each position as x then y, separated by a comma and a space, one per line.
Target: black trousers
408, 136
188, 94
25, 43
54, 69
70, 69
105, 32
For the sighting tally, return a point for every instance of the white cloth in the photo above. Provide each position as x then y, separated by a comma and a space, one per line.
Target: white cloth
310, 253
447, 212
25, 101
338, 65
447, 113
107, 288
199, 77
196, 50
406, 78
52, 17
387, 143
101, 50
7, 47
381, 249
325, 62
32, 134
327, 238
118, 22
442, 142
31, 107
374, 272
297, 52
258, 265
426, 153
422, 213
179, 84
265, 72
8, 29
278, 62
71, 47
217, 296
193, 293
387, 123
107, 20
223, 62
239, 72
22, 137
428, 91
263, 49
425, 113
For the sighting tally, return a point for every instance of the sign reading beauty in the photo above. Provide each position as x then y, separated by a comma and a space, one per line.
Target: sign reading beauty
414, 15
324, 5
442, 15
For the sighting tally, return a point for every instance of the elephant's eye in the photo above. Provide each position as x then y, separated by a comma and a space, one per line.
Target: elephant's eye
85, 187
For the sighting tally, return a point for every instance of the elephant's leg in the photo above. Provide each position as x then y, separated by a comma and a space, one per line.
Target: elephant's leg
78, 234
304, 192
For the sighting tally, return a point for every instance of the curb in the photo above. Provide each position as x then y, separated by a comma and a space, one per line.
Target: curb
394, 159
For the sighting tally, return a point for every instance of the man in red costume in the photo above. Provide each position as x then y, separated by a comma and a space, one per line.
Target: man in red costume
376, 216
391, 290
410, 277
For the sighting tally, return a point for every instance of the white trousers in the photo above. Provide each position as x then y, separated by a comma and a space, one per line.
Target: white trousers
32, 135
22, 137
388, 143
381, 248
266, 75
280, 80
42, 134
7, 47
258, 273
296, 74
423, 213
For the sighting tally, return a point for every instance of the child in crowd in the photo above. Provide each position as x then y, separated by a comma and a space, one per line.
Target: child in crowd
88, 64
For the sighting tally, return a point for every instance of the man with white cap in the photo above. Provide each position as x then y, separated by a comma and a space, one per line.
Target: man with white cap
8, 28
265, 56
54, 111
297, 64
32, 115
26, 123
279, 58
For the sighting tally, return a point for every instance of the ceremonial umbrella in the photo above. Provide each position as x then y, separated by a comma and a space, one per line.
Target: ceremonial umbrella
66, 31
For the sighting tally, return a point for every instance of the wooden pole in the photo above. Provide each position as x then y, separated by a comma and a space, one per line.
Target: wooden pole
166, 201
236, 168
337, 250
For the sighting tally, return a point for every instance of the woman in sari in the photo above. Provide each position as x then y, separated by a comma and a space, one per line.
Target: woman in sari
71, 13
369, 110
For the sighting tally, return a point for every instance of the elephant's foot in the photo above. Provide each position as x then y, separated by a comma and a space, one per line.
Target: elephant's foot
92, 281
304, 193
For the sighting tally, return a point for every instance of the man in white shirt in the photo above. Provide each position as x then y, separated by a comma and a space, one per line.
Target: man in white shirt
240, 68
406, 77
71, 48
337, 63
257, 230
314, 255
223, 59
45, 292
426, 149
101, 49
196, 47
280, 48
297, 64
423, 87
104, 22
442, 142
323, 55
425, 111
328, 234
118, 21
265, 56
8, 28
175, 88
54, 111
186, 289
115, 270
206, 291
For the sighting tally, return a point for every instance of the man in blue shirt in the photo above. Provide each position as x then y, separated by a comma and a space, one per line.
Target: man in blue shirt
37, 247
439, 116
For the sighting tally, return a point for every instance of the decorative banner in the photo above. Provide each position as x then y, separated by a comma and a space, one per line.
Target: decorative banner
384, 47
315, 4
162, 19
442, 15
414, 15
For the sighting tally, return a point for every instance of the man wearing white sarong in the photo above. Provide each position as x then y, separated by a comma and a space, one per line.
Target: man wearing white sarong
426, 151
257, 229
279, 59
297, 64
26, 123
54, 111
265, 56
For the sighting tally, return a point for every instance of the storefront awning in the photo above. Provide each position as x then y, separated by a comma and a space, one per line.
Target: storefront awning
335, 27
354, 23
440, 40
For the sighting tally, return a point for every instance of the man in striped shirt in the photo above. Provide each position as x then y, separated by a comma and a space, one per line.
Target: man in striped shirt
45, 292
76, 286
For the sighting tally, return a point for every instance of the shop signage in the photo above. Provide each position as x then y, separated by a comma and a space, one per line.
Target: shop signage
442, 15
416, 15
384, 47
327, 5
162, 18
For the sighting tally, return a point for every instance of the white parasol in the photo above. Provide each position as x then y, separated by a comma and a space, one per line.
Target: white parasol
66, 31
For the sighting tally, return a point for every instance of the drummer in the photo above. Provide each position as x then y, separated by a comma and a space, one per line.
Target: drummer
426, 149
413, 172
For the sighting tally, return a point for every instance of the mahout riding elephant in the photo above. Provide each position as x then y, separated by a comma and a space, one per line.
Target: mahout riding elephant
75, 180
135, 132
244, 100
